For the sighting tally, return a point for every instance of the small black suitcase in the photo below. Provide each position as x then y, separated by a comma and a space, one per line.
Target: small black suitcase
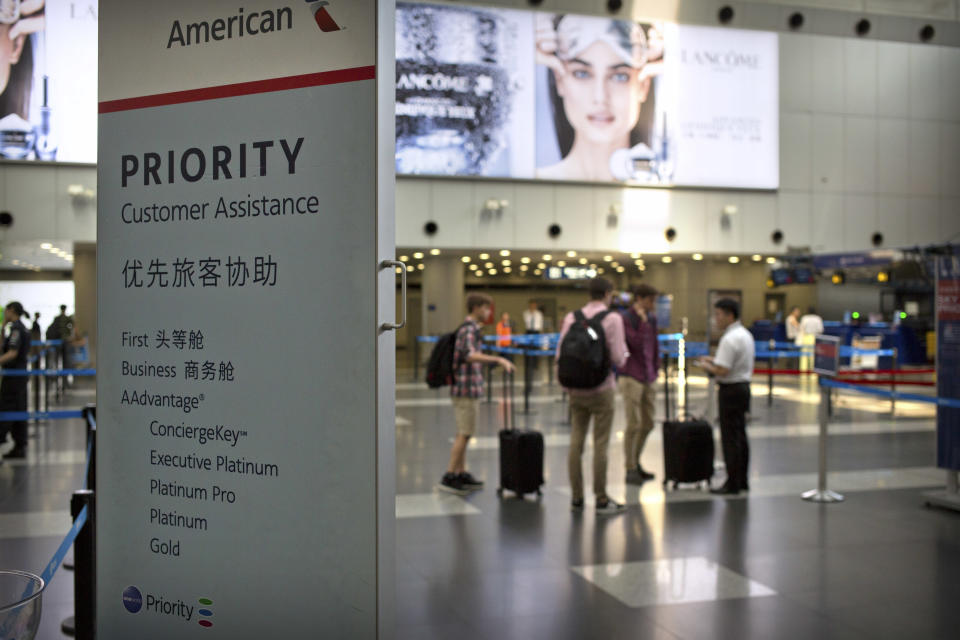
687, 452
521, 452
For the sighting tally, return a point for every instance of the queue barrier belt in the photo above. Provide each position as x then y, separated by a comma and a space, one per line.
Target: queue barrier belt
895, 395
21, 373
64, 547
894, 372
20, 416
781, 372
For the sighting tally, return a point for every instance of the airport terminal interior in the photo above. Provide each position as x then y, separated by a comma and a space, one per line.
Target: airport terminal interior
798, 157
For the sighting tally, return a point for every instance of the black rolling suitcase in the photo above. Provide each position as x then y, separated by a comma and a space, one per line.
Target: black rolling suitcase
687, 452
521, 452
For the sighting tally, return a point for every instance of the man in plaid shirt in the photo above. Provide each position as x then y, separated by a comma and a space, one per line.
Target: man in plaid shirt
467, 390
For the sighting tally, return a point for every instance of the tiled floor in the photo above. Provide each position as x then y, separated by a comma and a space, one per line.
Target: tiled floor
676, 565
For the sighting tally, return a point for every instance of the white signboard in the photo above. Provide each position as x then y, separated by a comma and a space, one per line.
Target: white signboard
238, 453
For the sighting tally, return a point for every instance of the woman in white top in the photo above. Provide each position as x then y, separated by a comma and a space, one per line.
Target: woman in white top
793, 324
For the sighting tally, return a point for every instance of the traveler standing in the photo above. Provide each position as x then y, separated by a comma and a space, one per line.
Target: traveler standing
466, 391
637, 379
595, 401
811, 326
533, 318
733, 367
503, 330
13, 389
793, 324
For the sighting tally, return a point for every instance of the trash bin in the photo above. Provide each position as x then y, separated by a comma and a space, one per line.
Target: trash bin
20, 604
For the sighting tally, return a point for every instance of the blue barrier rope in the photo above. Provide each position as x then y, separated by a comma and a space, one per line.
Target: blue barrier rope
509, 350
669, 337
61, 552
778, 354
895, 395
52, 373
846, 351
20, 416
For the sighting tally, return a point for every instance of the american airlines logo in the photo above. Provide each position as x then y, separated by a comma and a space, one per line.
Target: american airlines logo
322, 17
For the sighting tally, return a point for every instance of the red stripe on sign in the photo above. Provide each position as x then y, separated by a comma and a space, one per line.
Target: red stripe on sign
241, 89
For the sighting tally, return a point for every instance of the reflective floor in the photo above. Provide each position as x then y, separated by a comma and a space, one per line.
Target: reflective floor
676, 564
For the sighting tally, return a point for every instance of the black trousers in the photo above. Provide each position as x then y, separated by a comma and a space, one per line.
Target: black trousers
734, 402
13, 397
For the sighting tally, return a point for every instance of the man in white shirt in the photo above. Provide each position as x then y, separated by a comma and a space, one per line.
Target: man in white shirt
533, 318
733, 367
811, 326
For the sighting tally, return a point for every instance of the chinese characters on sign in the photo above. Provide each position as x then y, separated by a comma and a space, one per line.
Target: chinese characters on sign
185, 273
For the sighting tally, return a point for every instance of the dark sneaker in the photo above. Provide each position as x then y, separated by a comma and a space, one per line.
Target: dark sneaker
469, 482
634, 477
576, 505
17, 453
646, 475
451, 484
609, 507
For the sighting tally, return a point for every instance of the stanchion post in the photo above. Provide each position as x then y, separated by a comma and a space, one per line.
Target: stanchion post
821, 493
489, 383
666, 386
416, 358
893, 385
85, 575
91, 411
527, 380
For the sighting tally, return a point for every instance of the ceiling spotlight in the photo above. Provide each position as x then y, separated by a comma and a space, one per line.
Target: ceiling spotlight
620, 269
838, 277
698, 257
756, 257
504, 252
571, 254
46, 245
484, 256
489, 265
607, 258
420, 267
600, 270
434, 252
410, 268
561, 263
399, 270
771, 260
582, 261
542, 265
538, 272
733, 259
418, 255
614, 264
524, 267
492, 272
666, 259
883, 276
636, 255
507, 269
506, 263
473, 267
401, 258
547, 257
465, 259
525, 260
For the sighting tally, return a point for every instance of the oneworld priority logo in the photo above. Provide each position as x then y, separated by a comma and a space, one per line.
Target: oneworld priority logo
132, 599
205, 613
321, 16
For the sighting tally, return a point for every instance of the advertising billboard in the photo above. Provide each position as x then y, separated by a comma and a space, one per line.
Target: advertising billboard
565, 97
48, 80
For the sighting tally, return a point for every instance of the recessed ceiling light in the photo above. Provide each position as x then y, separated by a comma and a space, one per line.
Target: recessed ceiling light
506, 263
607, 258
484, 256
45, 245
771, 260
404, 258
542, 265
666, 259
418, 255
636, 255
614, 264
537, 272
434, 252
547, 257
492, 272
698, 256
756, 257
465, 259
571, 254
733, 259
561, 263
600, 270
420, 266
524, 267
504, 252
582, 261
525, 260
410, 267
489, 265
507, 269
620, 269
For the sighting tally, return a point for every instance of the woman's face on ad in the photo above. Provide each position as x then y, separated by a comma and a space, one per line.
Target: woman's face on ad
6, 56
602, 94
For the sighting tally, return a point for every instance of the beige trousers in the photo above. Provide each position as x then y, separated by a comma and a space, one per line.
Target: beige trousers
638, 400
599, 406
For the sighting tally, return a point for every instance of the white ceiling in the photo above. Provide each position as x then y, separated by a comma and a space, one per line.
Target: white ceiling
31, 256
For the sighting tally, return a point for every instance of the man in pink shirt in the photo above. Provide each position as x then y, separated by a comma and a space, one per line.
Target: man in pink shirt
596, 402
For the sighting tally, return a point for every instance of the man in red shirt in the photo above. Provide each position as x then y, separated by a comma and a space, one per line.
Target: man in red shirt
597, 402
637, 379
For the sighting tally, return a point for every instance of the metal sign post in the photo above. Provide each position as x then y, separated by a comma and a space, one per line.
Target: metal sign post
826, 362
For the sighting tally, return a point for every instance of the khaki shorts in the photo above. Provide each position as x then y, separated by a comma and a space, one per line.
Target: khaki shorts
465, 414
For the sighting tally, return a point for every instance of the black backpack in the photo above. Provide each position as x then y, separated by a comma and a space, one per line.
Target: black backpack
440, 365
584, 361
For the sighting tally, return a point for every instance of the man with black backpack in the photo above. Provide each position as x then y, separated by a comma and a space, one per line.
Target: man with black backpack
591, 342
466, 390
